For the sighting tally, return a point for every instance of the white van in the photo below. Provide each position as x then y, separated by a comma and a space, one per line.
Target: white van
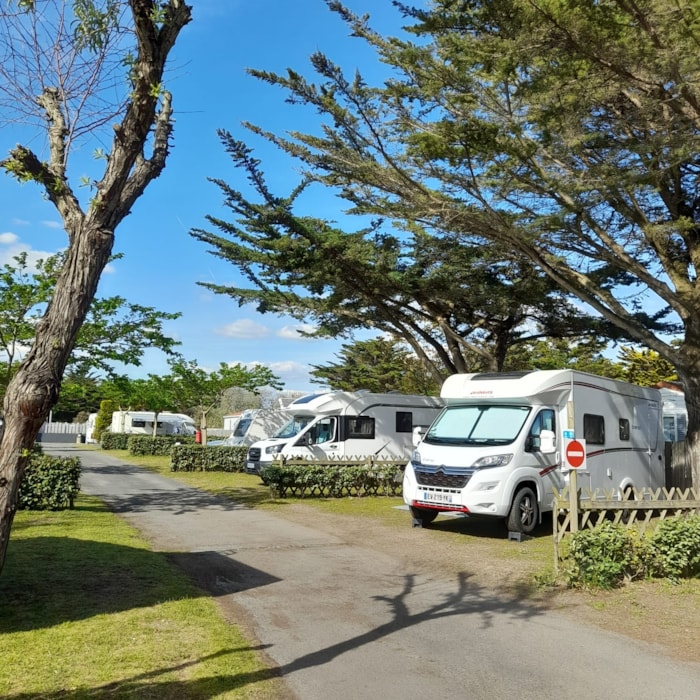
141, 423
497, 449
350, 425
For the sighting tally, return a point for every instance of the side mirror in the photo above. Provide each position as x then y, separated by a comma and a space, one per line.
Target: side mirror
547, 445
304, 440
417, 435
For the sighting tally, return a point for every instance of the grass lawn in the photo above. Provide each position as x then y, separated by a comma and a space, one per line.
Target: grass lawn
88, 611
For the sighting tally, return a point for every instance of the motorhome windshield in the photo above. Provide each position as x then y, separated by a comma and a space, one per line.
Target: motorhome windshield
477, 425
293, 427
242, 427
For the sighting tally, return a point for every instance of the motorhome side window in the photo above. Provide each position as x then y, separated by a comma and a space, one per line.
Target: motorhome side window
138, 423
593, 429
624, 429
323, 431
544, 420
359, 427
404, 422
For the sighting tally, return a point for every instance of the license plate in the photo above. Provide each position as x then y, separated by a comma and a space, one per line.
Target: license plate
250, 467
437, 497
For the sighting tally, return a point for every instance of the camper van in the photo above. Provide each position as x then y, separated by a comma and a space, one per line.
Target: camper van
340, 424
253, 425
499, 447
141, 423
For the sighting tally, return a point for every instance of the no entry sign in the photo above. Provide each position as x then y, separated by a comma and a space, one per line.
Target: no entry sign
575, 454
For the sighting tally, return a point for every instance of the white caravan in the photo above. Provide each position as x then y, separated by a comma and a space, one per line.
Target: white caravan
141, 423
499, 447
350, 425
675, 413
253, 425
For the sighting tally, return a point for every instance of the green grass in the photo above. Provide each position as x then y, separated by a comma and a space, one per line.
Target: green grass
88, 611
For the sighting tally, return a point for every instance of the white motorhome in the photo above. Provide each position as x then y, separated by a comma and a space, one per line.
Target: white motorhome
350, 425
675, 413
253, 425
498, 448
141, 423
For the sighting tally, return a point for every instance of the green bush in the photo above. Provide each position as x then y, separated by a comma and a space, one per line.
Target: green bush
604, 557
333, 481
159, 445
195, 458
114, 441
676, 548
50, 483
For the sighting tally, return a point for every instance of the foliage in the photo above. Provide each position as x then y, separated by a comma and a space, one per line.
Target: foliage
103, 420
114, 441
373, 478
50, 483
645, 367
676, 548
159, 445
192, 458
379, 365
114, 330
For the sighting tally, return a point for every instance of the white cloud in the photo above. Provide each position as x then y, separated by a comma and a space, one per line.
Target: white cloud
8, 238
20, 222
14, 247
244, 329
293, 332
52, 224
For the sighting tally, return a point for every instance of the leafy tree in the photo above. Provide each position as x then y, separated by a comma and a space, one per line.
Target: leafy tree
378, 365
197, 390
79, 394
645, 367
154, 394
565, 131
63, 64
113, 330
103, 419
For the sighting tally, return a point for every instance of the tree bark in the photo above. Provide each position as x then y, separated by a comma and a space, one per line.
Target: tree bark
147, 119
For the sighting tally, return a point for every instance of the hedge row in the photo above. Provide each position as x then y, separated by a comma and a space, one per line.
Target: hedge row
143, 444
50, 483
609, 555
334, 481
219, 458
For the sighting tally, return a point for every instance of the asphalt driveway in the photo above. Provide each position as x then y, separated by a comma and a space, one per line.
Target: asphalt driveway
342, 621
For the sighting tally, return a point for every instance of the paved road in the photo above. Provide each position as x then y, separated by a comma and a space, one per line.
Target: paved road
344, 622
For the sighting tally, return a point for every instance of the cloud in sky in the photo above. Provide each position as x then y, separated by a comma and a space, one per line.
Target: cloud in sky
292, 332
244, 329
11, 246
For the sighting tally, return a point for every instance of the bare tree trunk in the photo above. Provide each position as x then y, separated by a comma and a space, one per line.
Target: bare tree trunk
691, 385
147, 120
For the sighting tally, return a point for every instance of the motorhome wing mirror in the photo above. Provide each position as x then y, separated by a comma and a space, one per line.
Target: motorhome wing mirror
547, 445
304, 440
417, 435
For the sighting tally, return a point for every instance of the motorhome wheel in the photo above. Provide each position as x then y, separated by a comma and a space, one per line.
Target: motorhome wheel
423, 516
524, 514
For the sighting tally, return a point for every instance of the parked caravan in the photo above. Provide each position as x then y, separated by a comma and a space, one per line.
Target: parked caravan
141, 423
675, 413
340, 424
253, 425
499, 447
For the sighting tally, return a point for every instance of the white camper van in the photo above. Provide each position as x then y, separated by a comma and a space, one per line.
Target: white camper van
340, 424
498, 448
254, 424
141, 423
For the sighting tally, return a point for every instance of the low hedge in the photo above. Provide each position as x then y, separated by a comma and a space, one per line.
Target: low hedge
334, 480
114, 441
50, 483
219, 458
611, 554
160, 445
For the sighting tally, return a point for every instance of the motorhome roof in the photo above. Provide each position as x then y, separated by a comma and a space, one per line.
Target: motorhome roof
538, 386
336, 401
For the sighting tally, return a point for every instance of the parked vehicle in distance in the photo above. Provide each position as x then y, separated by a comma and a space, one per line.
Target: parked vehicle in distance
253, 425
497, 448
341, 424
141, 423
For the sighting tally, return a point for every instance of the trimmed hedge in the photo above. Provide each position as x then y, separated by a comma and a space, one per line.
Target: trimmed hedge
114, 441
334, 481
50, 483
611, 554
160, 445
219, 458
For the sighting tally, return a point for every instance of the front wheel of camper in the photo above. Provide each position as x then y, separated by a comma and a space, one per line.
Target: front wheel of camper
423, 516
524, 514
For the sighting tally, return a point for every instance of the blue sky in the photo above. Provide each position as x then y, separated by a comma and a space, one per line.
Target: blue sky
211, 90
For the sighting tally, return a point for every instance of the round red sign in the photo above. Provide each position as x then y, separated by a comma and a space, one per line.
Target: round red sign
575, 454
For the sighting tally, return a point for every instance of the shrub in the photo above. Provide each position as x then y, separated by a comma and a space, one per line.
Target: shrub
676, 547
159, 445
114, 441
604, 557
194, 458
50, 483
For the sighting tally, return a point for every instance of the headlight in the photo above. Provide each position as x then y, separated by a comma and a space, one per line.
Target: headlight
492, 461
415, 457
274, 449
